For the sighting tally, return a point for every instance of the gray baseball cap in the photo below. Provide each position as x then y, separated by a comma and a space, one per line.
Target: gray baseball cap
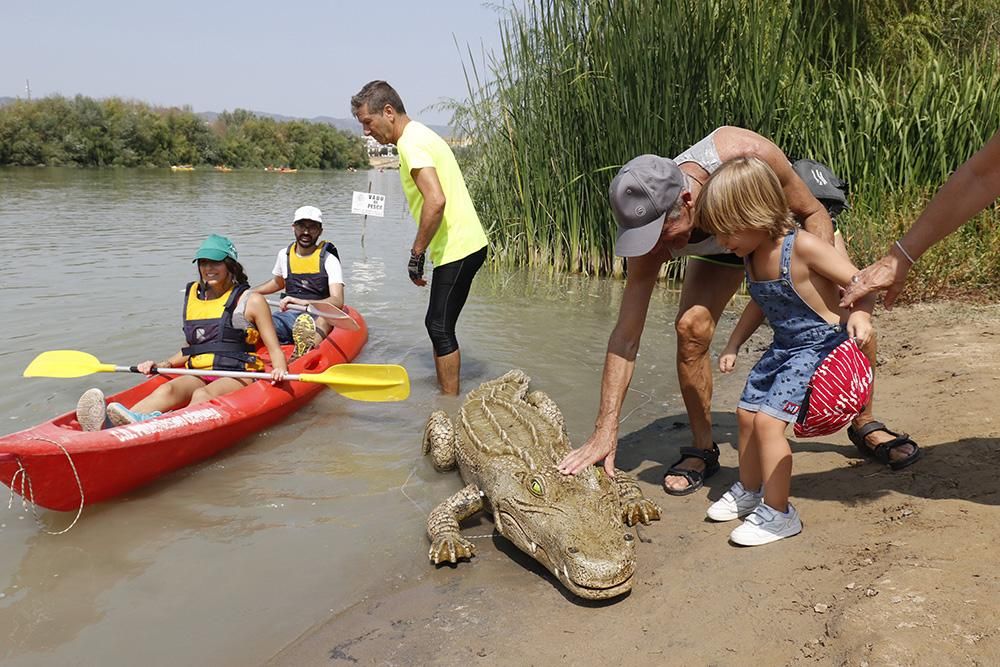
641, 194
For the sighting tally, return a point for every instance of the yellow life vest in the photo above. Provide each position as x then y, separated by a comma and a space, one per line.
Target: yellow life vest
212, 340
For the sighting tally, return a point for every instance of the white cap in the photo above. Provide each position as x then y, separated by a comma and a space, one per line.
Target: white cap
308, 213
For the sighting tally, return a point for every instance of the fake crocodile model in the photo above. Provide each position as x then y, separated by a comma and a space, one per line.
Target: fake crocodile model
507, 445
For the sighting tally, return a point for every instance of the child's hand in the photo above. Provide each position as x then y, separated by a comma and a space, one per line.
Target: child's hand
727, 360
859, 327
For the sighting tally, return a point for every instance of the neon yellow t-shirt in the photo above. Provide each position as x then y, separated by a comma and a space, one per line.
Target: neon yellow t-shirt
460, 233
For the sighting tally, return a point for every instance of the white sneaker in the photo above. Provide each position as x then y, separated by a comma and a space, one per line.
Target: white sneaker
735, 503
766, 524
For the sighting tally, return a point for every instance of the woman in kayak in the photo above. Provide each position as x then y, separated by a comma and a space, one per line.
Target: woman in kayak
222, 323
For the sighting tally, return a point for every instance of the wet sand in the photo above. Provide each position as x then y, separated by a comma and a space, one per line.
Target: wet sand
892, 568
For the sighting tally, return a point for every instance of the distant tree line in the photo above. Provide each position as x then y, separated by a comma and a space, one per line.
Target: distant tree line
86, 132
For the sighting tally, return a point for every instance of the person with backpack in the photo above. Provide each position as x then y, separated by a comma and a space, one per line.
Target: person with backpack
309, 271
652, 200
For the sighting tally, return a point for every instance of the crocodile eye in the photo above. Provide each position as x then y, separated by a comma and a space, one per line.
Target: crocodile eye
535, 486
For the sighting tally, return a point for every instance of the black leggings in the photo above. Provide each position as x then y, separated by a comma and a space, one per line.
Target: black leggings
450, 285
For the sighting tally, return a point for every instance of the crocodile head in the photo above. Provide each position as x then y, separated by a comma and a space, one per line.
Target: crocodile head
572, 526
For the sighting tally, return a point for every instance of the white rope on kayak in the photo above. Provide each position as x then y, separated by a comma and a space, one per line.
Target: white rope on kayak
28, 493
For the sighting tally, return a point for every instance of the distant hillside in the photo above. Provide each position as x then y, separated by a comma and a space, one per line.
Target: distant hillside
6, 100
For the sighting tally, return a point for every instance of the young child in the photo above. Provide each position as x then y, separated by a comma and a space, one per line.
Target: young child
793, 278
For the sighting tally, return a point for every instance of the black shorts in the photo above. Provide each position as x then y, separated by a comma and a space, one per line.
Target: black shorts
450, 284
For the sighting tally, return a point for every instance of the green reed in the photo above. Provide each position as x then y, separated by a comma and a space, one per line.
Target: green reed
579, 87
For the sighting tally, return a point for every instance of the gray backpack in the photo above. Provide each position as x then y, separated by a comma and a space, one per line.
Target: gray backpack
827, 187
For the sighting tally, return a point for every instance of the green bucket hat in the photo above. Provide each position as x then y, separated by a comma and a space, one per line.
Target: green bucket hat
215, 248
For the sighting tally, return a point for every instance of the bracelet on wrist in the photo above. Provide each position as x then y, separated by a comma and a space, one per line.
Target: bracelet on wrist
899, 246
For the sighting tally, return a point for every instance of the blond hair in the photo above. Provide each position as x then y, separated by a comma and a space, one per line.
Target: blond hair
744, 193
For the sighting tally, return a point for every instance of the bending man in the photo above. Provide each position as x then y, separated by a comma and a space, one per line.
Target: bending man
652, 199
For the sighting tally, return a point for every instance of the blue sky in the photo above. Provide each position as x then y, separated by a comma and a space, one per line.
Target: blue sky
300, 58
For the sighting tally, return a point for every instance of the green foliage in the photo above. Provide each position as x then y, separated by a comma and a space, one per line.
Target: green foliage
97, 133
893, 94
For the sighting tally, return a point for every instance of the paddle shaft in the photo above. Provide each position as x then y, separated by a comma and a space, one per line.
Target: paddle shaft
203, 372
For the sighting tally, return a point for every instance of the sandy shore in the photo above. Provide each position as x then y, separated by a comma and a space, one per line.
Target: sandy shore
893, 568
384, 162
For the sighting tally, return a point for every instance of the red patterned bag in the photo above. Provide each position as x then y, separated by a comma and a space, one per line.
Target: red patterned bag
839, 389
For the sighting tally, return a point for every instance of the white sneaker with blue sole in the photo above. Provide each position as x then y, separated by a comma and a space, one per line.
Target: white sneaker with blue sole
735, 503
765, 525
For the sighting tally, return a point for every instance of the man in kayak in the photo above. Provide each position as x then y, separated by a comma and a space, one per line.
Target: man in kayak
222, 322
448, 226
309, 271
652, 200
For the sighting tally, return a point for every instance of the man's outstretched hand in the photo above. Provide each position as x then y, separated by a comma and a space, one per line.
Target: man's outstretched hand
600, 446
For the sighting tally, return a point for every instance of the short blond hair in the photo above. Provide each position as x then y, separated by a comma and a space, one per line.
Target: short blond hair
744, 193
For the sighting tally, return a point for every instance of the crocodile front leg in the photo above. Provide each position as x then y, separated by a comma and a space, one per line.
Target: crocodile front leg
447, 543
635, 507
440, 441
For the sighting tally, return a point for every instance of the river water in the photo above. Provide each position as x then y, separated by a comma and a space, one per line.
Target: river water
228, 561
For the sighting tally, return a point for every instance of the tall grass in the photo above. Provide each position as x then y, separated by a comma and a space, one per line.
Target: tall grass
579, 87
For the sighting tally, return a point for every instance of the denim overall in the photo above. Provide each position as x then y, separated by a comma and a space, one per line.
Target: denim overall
802, 339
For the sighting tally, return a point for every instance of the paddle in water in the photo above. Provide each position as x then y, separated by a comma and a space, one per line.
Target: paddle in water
325, 310
360, 382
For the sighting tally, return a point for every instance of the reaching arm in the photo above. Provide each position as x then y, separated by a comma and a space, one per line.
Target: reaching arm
749, 321
258, 313
619, 364
972, 187
837, 268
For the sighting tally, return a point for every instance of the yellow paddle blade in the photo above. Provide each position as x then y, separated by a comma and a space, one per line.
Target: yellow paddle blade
65, 364
365, 382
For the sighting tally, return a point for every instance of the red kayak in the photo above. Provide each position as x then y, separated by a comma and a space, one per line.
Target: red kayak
113, 461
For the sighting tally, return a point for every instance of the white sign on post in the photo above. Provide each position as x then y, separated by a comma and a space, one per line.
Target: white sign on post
368, 203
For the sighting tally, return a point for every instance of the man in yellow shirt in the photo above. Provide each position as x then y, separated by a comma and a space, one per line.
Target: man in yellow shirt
448, 226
